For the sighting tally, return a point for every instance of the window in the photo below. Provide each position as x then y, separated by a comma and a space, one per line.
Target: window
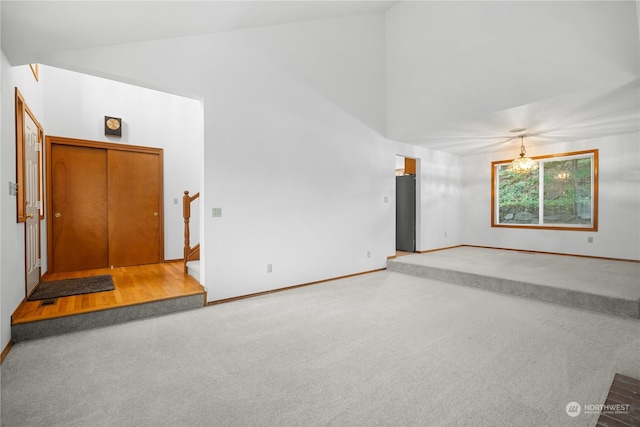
561, 194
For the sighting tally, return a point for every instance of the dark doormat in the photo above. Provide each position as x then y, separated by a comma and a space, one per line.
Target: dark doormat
68, 287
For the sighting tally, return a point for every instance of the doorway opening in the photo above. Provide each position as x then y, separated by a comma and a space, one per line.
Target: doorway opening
406, 206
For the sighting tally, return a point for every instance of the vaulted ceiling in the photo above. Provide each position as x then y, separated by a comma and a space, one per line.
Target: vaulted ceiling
563, 70
31, 29
459, 75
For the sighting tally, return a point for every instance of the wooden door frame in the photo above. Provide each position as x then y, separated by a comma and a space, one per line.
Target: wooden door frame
59, 140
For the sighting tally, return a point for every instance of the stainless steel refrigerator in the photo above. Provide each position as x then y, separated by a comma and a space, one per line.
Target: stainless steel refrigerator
406, 213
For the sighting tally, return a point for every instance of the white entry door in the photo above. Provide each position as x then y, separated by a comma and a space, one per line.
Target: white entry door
33, 203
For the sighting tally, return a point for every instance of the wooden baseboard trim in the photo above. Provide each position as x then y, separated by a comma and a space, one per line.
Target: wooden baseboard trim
222, 301
6, 350
272, 291
440, 249
550, 253
523, 250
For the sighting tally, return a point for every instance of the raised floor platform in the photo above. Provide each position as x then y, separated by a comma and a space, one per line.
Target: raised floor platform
140, 292
601, 285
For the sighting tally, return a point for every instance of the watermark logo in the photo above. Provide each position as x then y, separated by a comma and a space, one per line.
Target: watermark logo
573, 409
608, 409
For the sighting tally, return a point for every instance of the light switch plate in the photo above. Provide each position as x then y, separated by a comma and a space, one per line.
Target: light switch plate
13, 188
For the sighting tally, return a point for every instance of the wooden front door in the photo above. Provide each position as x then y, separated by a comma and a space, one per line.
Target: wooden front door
106, 205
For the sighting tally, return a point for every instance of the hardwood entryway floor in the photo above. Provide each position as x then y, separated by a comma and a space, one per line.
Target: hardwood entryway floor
133, 285
403, 253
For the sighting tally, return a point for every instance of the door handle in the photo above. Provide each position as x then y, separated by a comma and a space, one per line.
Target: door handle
30, 215
58, 215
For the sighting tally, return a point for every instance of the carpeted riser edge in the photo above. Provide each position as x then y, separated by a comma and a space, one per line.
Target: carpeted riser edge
566, 297
96, 319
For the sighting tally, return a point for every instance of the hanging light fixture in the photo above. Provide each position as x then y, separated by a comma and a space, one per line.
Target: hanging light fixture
523, 164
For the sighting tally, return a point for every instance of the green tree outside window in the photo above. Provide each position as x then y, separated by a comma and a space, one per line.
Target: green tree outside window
562, 193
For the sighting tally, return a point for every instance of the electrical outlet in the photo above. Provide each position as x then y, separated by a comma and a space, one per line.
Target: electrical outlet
445, 234
269, 268
386, 199
216, 212
589, 239
368, 254
175, 200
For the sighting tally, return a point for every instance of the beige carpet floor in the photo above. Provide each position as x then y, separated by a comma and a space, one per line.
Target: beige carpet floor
382, 349
613, 278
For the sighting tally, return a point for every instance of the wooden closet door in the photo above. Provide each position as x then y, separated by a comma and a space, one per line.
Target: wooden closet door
79, 206
135, 189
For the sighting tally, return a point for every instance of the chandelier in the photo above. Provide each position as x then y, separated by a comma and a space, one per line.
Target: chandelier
523, 164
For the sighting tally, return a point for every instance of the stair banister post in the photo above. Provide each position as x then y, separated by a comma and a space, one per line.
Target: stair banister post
186, 213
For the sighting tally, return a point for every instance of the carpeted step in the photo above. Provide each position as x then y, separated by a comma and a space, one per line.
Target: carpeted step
568, 297
78, 322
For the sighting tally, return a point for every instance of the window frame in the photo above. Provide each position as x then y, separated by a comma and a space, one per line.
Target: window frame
547, 158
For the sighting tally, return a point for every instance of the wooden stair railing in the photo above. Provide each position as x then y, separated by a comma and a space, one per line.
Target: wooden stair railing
190, 253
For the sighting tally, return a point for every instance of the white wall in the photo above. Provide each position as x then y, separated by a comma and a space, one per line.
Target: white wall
307, 192
293, 152
618, 234
3, 65
12, 281
77, 103
4, 339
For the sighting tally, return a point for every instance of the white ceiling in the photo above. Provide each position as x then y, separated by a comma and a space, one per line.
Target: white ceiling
463, 74
34, 28
602, 111
587, 87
